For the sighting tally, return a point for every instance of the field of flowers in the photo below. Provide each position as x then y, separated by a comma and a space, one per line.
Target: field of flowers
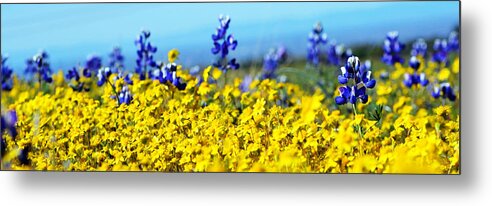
329, 113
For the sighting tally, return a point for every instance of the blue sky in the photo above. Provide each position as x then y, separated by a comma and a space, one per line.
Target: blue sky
70, 32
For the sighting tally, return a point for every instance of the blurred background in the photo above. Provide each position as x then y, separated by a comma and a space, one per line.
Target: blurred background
70, 32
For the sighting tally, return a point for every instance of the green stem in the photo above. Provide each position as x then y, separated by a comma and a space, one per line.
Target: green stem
114, 90
355, 114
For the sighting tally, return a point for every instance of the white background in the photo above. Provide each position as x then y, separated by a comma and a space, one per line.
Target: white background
470, 188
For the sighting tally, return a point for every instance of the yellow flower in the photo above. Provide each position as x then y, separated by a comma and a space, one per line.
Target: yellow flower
172, 55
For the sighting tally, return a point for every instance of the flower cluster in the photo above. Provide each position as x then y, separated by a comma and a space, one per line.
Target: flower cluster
74, 78
116, 60
40, 67
92, 65
166, 119
444, 91
392, 48
440, 51
453, 42
316, 38
7, 82
416, 78
337, 54
222, 44
361, 78
419, 48
168, 73
271, 61
145, 55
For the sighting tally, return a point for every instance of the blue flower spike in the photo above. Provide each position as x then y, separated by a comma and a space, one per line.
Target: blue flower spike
355, 80
7, 82
40, 67
316, 38
145, 55
223, 44
392, 48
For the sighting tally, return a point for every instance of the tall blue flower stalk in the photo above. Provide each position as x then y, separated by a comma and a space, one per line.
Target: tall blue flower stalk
419, 48
145, 55
453, 42
355, 81
92, 65
40, 67
392, 48
316, 39
337, 54
116, 60
223, 43
7, 82
416, 78
440, 54
271, 62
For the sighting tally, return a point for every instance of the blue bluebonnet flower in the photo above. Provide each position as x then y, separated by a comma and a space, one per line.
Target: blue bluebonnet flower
73, 74
168, 74
124, 96
337, 54
443, 90
440, 51
103, 75
222, 44
271, 61
419, 48
7, 72
453, 42
392, 48
39, 66
355, 81
116, 60
92, 65
316, 38
145, 51
415, 78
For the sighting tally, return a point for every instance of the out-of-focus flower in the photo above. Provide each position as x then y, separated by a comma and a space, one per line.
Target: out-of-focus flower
453, 42
145, 51
116, 60
392, 48
440, 51
271, 61
419, 48
92, 65
244, 86
222, 44
40, 67
443, 90
172, 55
7, 72
337, 53
316, 38
355, 81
